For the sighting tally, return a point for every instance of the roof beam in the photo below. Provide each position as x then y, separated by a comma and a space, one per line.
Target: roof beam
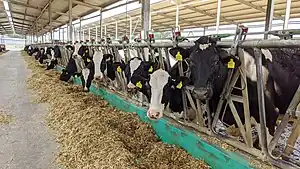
23, 4
261, 9
86, 4
210, 14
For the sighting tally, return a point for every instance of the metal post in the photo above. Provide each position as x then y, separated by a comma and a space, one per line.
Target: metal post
83, 35
287, 14
100, 23
105, 30
261, 101
269, 17
59, 34
78, 35
96, 35
79, 29
145, 16
90, 34
63, 34
177, 15
130, 29
116, 30
50, 19
204, 30
218, 16
70, 21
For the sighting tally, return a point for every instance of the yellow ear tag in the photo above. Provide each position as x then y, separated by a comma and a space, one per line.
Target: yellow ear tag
86, 51
76, 76
88, 60
231, 64
179, 86
178, 56
150, 69
139, 84
119, 69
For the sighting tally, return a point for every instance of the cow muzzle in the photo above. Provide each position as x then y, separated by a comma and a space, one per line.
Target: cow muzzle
154, 115
203, 93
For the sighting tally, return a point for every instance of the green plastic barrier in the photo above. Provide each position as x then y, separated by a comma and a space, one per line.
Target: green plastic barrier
215, 156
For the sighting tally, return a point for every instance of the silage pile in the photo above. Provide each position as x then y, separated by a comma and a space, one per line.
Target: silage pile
92, 134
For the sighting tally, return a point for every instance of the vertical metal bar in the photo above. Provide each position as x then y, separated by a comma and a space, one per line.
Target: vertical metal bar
96, 34
261, 101
177, 15
145, 16
105, 33
79, 29
167, 58
269, 17
116, 37
287, 14
70, 21
63, 34
100, 23
83, 35
130, 29
59, 34
50, 19
204, 30
218, 16
90, 34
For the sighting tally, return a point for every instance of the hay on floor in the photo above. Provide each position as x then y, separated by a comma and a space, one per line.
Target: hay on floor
93, 135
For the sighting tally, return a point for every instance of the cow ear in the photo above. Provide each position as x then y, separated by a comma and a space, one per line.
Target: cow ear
181, 81
231, 62
185, 53
118, 66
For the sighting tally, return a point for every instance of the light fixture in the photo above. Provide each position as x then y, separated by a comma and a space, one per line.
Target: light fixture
8, 13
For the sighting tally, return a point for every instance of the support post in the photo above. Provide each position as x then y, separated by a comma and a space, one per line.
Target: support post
204, 30
63, 34
269, 17
96, 39
83, 35
287, 14
116, 30
89, 34
50, 20
177, 16
79, 29
70, 21
145, 16
105, 30
100, 23
218, 16
59, 34
130, 29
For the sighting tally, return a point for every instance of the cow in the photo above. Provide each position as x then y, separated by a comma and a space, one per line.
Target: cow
208, 65
54, 53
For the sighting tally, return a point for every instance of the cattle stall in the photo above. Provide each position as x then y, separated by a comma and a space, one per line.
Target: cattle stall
214, 126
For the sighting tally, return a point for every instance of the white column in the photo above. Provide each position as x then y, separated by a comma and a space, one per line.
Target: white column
218, 16
96, 34
287, 14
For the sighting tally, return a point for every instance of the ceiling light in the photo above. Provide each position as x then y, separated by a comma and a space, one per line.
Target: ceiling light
6, 6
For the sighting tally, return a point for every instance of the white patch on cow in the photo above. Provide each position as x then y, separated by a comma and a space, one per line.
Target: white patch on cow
85, 73
76, 48
97, 60
134, 64
250, 67
130, 85
204, 46
157, 82
52, 54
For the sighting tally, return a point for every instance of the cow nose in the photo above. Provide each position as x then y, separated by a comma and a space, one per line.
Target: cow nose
154, 115
202, 93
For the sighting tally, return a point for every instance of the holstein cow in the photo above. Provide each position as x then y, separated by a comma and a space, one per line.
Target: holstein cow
209, 70
165, 87
54, 53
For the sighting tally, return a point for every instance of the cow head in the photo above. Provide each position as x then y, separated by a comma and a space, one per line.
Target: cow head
208, 67
164, 90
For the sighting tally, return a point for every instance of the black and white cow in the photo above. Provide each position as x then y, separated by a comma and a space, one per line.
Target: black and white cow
53, 53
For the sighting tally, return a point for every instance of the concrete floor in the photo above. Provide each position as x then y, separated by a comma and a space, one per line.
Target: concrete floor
25, 143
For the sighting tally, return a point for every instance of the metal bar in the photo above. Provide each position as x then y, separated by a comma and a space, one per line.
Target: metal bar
83, 35
145, 16
177, 16
218, 16
116, 30
261, 101
93, 6
50, 19
130, 29
287, 14
79, 29
100, 23
89, 34
70, 21
96, 39
59, 34
269, 17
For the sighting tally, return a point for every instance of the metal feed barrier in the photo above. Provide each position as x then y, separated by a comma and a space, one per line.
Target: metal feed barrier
268, 152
